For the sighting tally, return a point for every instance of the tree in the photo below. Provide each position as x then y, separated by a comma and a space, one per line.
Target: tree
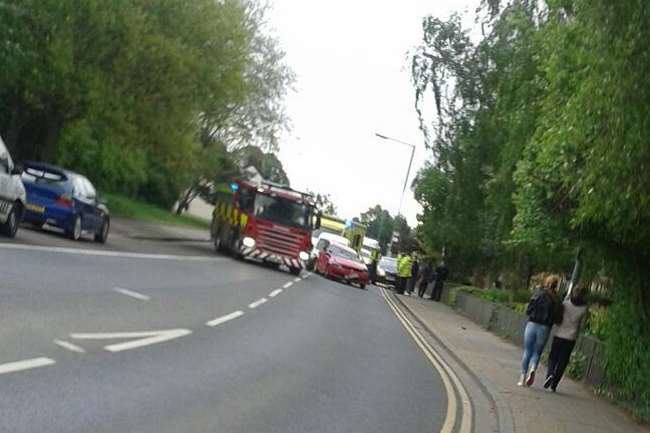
256, 120
324, 203
539, 145
267, 163
379, 225
131, 92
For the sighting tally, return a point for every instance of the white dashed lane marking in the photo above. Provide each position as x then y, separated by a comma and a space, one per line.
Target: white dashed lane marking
287, 285
275, 293
297, 280
69, 346
257, 303
132, 294
25, 364
226, 318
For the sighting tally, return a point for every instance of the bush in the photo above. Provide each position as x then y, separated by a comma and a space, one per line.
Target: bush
628, 355
596, 322
577, 365
515, 299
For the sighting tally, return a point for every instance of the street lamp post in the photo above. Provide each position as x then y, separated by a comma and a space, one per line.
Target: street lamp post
408, 171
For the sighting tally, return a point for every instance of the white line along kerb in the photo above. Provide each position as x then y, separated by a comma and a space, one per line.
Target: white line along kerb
257, 303
105, 253
226, 318
142, 339
287, 285
25, 364
132, 294
275, 293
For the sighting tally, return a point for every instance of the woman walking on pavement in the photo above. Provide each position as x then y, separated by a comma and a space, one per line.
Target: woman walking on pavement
543, 310
575, 309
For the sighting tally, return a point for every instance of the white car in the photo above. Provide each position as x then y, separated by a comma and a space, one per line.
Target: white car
12, 194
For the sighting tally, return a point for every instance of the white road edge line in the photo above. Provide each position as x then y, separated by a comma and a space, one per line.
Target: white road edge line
132, 294
144, 338
69, 346
275, 293
297, 280
105, 253
25, 364
257, 303
226, 318
287, 285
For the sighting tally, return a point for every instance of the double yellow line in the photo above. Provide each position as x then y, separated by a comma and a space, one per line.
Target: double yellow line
449, 378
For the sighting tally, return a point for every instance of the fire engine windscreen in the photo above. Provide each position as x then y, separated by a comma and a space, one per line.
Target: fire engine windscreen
283, 211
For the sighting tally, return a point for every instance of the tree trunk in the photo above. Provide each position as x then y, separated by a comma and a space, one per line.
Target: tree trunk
188, 197
641, 264
53, 127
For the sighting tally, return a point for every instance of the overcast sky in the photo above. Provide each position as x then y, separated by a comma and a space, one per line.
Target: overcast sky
350, 57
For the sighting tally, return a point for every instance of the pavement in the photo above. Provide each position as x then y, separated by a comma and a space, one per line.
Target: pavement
495, 364
154, 332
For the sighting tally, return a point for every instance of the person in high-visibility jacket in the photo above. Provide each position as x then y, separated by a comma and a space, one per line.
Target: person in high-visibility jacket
403, 272
372, 269
398, 279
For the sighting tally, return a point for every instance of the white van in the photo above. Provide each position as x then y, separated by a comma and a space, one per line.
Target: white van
12, 194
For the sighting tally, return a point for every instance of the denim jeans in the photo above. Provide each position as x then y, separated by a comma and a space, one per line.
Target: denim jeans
535, 337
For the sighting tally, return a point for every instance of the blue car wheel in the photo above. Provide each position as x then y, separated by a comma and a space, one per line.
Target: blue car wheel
75, 232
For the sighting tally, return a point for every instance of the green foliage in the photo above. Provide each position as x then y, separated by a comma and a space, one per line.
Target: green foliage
125, 207
141, 96
381, 226
515, 299
540, 143
577, 366
324, 203
267, 163
596, 322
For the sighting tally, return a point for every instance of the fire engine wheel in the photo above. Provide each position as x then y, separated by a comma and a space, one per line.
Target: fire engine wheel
218, 243
295, 271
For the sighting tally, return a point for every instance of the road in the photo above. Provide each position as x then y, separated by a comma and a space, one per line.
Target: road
166, 336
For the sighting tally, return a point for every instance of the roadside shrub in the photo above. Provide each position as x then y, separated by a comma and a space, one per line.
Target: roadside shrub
596, 322
577, 365
514, 299
628, 356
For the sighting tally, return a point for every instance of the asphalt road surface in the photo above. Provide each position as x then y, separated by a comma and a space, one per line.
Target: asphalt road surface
152, 336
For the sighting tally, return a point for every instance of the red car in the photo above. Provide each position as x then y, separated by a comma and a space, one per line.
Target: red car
342, 263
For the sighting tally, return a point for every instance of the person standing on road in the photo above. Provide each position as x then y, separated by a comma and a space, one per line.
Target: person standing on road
398, 279
543, 311
442, 272
372, 269
566, 333
403, 272
426, 276
415, 271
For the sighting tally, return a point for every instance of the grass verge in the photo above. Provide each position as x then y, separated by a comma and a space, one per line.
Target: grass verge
125, 207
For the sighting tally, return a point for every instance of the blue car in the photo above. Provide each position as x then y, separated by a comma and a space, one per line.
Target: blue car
64, 199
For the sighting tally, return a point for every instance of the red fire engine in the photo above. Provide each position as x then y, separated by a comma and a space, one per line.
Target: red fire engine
266, 221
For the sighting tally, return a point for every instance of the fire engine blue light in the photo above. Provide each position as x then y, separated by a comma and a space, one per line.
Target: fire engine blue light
234, 186
348, 223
